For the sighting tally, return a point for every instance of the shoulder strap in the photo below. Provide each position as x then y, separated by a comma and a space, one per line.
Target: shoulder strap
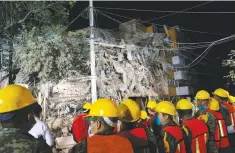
175, 131
186, 142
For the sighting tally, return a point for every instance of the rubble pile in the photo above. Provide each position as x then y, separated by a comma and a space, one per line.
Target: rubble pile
133, 69
122, 67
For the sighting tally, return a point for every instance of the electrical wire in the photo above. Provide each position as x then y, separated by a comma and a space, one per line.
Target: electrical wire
197, 43
207, 51
144, 10
180, 11
208, 59
215, 43
70, 23
108, 17
204, 53
200, 73
200, 57
183, 29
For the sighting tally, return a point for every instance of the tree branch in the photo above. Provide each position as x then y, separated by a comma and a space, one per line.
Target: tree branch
27, 15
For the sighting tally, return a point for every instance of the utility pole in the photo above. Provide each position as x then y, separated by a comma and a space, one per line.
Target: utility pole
92, 53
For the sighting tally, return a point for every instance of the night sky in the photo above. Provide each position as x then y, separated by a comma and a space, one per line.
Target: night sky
222, 24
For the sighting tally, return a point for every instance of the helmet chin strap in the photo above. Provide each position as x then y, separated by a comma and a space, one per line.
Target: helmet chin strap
194, 110
85, 111
109, 122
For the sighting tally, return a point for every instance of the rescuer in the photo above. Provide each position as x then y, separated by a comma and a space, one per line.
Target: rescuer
16, 118
41, 128
227, 109
151, 105
202, 101
143, 121
228, 112
232, 135
142, 139
231, 100
173, 135
221, 133
102, 118
195, 129
80, 125
155, 124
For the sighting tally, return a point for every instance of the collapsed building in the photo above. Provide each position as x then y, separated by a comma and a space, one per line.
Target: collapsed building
135, 59
128, 61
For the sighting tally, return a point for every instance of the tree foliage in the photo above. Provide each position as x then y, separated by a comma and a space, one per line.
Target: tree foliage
16, 15
231, 64
51, 53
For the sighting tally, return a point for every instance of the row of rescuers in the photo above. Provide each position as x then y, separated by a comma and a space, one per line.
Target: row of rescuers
105, 127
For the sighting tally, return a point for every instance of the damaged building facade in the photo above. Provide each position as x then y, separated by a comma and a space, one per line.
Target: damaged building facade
133, 60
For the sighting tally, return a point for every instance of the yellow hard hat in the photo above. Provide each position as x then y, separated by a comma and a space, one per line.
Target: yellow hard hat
129, 111
143, 115
231, 99
87, 105
214, 105
202, 95
166, 107
15, 97
151, 104
184, 104
103, 108
221, 93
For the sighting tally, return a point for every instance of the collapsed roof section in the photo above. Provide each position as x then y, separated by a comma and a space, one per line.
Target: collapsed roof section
124, 67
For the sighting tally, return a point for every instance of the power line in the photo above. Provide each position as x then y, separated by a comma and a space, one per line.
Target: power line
200, 57
183, 29
180, 11
80, 14
199, 73
157, 11
197, 43
108, 16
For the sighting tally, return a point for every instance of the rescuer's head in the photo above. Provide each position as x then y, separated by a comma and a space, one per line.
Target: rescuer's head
214, 105
202, 99
151, 105
184, 109
143, 115
165, 111
221, 95
16, 107
130, 113
37, 110
103, 117
231, 100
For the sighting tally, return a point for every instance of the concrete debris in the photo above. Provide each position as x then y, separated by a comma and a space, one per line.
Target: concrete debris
124, 64
55, 124
65, 131
65, 143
